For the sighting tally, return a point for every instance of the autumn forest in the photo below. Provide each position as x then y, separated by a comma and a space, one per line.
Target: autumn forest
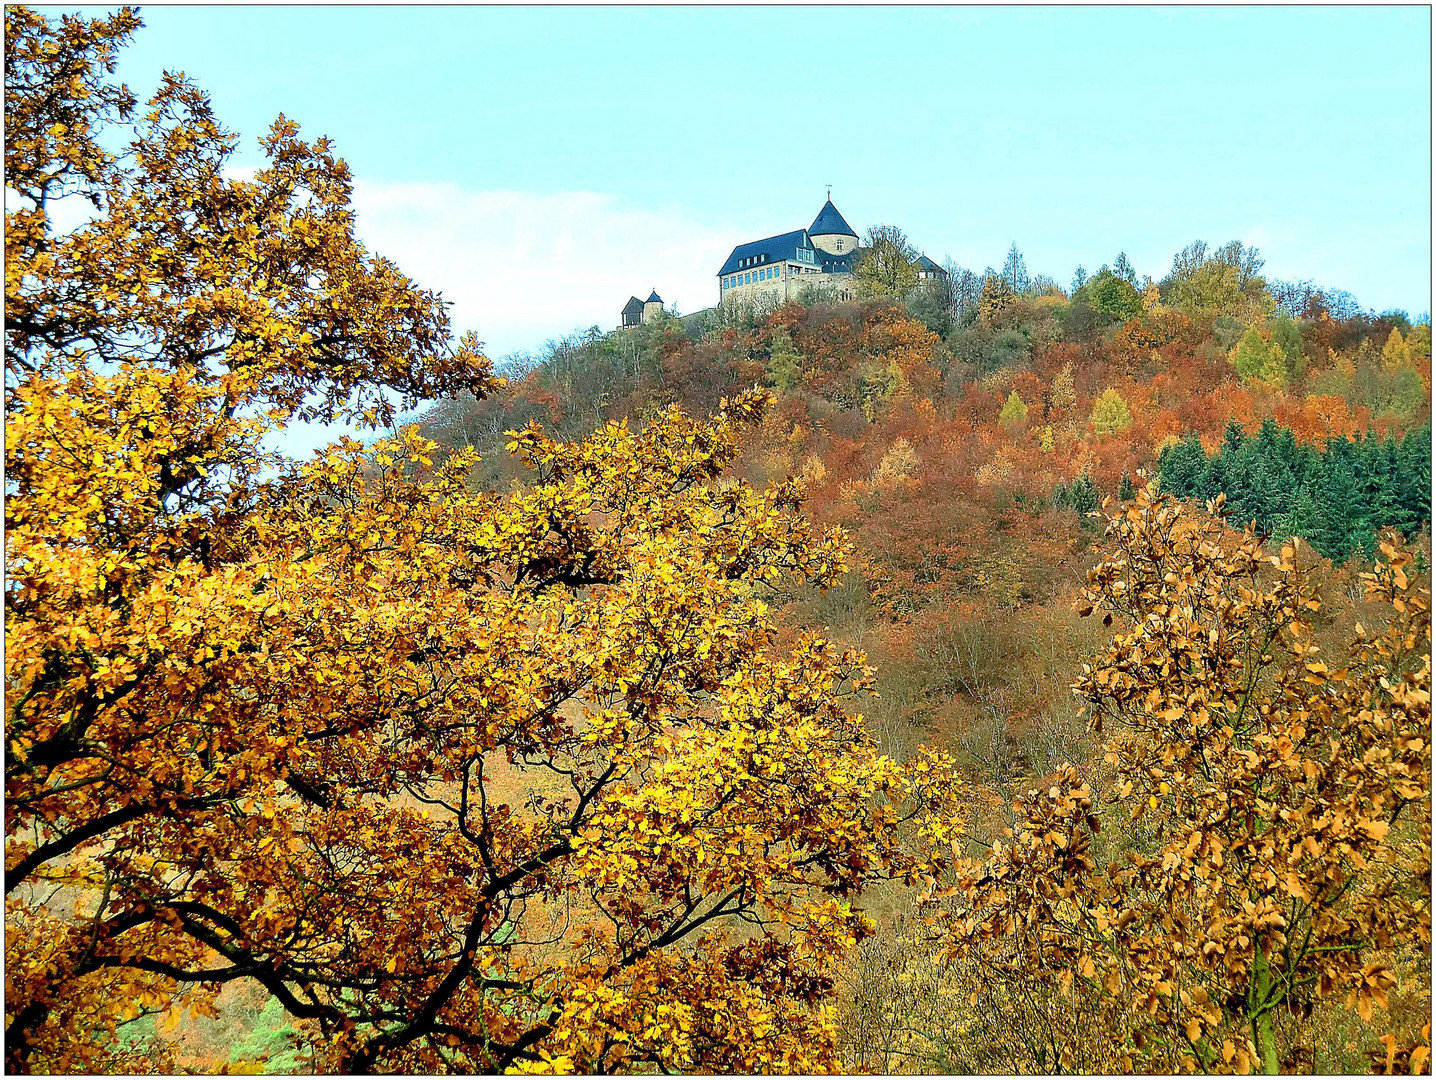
989, 674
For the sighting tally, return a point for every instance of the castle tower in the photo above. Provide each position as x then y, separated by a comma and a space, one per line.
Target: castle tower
830, 233
652, 307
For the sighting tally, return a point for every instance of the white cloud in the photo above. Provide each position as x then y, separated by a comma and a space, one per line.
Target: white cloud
521, 267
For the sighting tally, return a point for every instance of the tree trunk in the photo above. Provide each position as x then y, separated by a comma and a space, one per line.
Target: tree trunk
1260, 1002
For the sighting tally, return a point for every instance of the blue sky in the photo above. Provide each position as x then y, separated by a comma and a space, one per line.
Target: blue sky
538, 165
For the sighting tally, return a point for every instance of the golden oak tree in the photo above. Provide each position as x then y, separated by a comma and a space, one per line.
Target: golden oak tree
467, 780
1266, 820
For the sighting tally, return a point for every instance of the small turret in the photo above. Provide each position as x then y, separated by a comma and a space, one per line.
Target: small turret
830, 233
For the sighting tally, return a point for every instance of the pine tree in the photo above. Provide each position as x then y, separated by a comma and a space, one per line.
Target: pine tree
1014, 271
1303, 520
1413, 477
1340, 522
1233, 437
1336, 498
1182, 466
1084, 495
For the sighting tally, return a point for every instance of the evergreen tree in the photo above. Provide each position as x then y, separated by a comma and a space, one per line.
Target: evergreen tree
1340, 520
1303, 520
1381, 504
1337, 497
1084, 495
1014, 271
1181, 467
1413, 477
1233, 437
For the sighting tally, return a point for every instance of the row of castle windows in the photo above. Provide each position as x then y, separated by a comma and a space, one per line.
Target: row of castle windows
766, 274
732, 281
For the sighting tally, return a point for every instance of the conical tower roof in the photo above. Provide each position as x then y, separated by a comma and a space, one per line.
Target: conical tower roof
654, 298
830, 223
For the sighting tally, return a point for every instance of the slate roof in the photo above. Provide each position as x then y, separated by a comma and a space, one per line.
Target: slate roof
830, 223
774, 249
654, 298
633, 307
924, 263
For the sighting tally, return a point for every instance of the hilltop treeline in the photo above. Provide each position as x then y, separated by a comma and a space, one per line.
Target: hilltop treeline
1004, 389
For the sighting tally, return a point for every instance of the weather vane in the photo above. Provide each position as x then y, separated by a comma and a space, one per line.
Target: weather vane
830, 193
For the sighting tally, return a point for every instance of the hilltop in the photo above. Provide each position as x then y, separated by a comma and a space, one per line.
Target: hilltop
962, 431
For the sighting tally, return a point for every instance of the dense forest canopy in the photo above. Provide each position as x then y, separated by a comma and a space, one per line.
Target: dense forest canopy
540, 734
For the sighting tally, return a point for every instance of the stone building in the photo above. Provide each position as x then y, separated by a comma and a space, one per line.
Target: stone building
766, 273
927, 270
775, 269
637, 312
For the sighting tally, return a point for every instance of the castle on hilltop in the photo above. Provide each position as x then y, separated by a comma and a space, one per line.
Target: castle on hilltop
774, 269
766, 273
